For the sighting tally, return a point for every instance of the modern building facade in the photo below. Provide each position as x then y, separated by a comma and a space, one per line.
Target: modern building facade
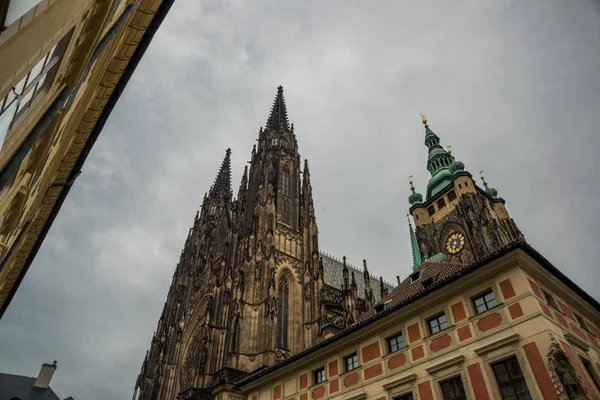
63, 65
255, 311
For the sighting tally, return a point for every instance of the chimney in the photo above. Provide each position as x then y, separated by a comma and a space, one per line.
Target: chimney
45, 376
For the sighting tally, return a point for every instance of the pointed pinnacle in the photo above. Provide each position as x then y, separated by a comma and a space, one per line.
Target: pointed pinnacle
222, 186
278, 119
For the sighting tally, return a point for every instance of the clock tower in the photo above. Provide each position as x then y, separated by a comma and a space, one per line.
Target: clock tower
458, 220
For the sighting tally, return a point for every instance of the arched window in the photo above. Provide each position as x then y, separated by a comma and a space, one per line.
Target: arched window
283, 314
284, 213
284, 182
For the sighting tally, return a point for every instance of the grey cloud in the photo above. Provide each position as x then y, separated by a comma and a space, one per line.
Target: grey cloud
511, 85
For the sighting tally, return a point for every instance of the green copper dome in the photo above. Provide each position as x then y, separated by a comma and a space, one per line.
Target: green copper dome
457, 166
414, 198
491, 191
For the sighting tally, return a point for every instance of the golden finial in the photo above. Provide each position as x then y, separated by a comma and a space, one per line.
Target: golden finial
410, 179
449, 151
481, 175
424, 118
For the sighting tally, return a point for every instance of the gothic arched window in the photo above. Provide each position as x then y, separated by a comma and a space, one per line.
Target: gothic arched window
284, 182
285, 211
283, 314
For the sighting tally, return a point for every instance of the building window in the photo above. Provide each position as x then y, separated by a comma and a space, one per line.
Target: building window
510, 380
581, 322
441, 203
459, 186
24, 94
550, 299
453, 389
484, 301
407, 396
284, 182
283, 314
351, 362
395, 342
451, 196
319, 376
437, 323
590, 370
431, 210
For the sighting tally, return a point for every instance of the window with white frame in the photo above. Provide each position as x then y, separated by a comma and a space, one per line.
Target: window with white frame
319, 376
437, 323
484, 301
24, 94
351, 362
395, 342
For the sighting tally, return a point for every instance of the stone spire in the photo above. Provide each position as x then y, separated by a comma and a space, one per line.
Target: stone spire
278, 119
222, 186
416, 253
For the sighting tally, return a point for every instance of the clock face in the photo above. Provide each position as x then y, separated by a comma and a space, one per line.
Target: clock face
455, 243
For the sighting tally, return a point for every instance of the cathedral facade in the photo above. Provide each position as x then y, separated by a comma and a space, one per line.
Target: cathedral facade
256, 311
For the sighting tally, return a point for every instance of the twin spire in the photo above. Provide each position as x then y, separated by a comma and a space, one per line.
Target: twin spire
278, 120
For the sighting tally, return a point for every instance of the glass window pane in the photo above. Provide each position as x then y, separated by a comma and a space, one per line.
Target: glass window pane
19, 86
5, 120
16, 9
35, 71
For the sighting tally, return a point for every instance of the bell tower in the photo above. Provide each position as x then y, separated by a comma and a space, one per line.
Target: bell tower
458, 221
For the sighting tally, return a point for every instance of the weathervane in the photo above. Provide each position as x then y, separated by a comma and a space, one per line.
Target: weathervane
449, 151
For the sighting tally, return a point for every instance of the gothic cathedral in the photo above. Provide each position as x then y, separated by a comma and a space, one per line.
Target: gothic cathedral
251, 287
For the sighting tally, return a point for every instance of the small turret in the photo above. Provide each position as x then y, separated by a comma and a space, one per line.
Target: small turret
414, 198
493, 193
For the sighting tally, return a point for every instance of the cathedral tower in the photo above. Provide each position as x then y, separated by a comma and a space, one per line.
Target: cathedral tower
458, 221
246, 291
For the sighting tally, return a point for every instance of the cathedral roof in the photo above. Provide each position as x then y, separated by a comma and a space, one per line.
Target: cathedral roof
333, 271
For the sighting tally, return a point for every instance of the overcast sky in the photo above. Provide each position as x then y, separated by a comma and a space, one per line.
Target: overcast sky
513, 86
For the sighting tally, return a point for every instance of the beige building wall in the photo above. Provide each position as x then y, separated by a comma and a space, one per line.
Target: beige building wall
61, 63
522, 325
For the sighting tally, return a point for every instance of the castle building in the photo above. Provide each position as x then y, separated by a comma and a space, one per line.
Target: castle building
63, 66
257, 311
